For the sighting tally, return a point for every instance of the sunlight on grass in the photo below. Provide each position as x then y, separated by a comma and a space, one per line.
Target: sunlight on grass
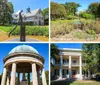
76, 83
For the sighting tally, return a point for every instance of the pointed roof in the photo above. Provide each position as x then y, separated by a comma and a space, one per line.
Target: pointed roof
32, 13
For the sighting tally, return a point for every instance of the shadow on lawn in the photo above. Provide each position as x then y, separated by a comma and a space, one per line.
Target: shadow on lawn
63, 82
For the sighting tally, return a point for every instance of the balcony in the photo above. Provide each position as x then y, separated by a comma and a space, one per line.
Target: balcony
67, 64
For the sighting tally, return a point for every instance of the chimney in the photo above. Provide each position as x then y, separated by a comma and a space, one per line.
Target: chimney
28, 10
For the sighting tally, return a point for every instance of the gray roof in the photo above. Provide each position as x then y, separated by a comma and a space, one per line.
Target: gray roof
32, 13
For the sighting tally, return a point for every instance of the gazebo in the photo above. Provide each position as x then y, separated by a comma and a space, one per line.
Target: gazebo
23, 59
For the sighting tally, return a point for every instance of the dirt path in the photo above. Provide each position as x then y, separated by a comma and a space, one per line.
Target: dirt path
4, 37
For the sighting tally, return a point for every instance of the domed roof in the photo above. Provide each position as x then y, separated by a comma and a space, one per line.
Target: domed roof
23, 49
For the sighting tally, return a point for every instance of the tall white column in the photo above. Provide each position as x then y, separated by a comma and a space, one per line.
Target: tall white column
8, 82
80, 67
4, 77
43, 78
34, 74
13, 74
70, 69
61, 63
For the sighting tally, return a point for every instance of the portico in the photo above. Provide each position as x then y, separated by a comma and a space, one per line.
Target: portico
23, 59
68, 64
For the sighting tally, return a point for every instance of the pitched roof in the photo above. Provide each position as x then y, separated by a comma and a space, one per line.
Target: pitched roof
32, 13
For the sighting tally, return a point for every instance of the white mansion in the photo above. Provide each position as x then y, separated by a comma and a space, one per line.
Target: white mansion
68, 64
34, 17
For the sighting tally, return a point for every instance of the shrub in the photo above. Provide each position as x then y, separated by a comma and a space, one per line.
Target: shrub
71, 17
33, 30
98, 76
86, 15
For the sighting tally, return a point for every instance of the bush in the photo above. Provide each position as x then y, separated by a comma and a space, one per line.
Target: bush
71, 17
86, 15
33, 30
98, 76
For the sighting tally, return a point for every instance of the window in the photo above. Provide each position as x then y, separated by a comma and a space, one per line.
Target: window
56, 71
74, 61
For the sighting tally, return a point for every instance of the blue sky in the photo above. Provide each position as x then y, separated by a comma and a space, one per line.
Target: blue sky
83, 3
33, 4
43, 49
70, 45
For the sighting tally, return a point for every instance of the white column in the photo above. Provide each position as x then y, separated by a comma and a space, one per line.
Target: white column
34, 74
70, 69
13, 74
4, 77
43, 78
8, 82
80, 67
61, 63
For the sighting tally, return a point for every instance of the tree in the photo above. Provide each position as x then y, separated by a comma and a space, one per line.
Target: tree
57, 10
54, 52
90, 55
45, 13
94, 8
71, 8
6, 9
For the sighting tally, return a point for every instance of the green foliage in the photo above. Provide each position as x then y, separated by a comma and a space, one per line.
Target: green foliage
45, 12
57, 10
94, 8
71, 17
71, 8
54, 51
90, 55
86, 15
47, 77
33, 30
6, 9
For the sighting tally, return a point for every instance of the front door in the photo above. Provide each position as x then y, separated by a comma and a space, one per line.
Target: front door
74, 73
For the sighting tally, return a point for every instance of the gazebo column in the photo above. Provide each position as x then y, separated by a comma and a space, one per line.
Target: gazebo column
38, 74
4, 77
28, 78
43, 77
8, 78
13, 74
34, 74
23, 76
18, 78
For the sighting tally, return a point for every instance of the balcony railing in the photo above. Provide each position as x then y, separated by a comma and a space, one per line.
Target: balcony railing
72, 64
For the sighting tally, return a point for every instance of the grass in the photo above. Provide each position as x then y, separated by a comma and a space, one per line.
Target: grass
75, 83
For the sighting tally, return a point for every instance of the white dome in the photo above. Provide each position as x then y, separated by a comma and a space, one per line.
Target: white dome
23, 49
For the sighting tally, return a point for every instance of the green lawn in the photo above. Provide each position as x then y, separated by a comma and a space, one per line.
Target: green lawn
75, 83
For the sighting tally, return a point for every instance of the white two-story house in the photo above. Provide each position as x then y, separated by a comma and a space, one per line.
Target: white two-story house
33, 17
68, 65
